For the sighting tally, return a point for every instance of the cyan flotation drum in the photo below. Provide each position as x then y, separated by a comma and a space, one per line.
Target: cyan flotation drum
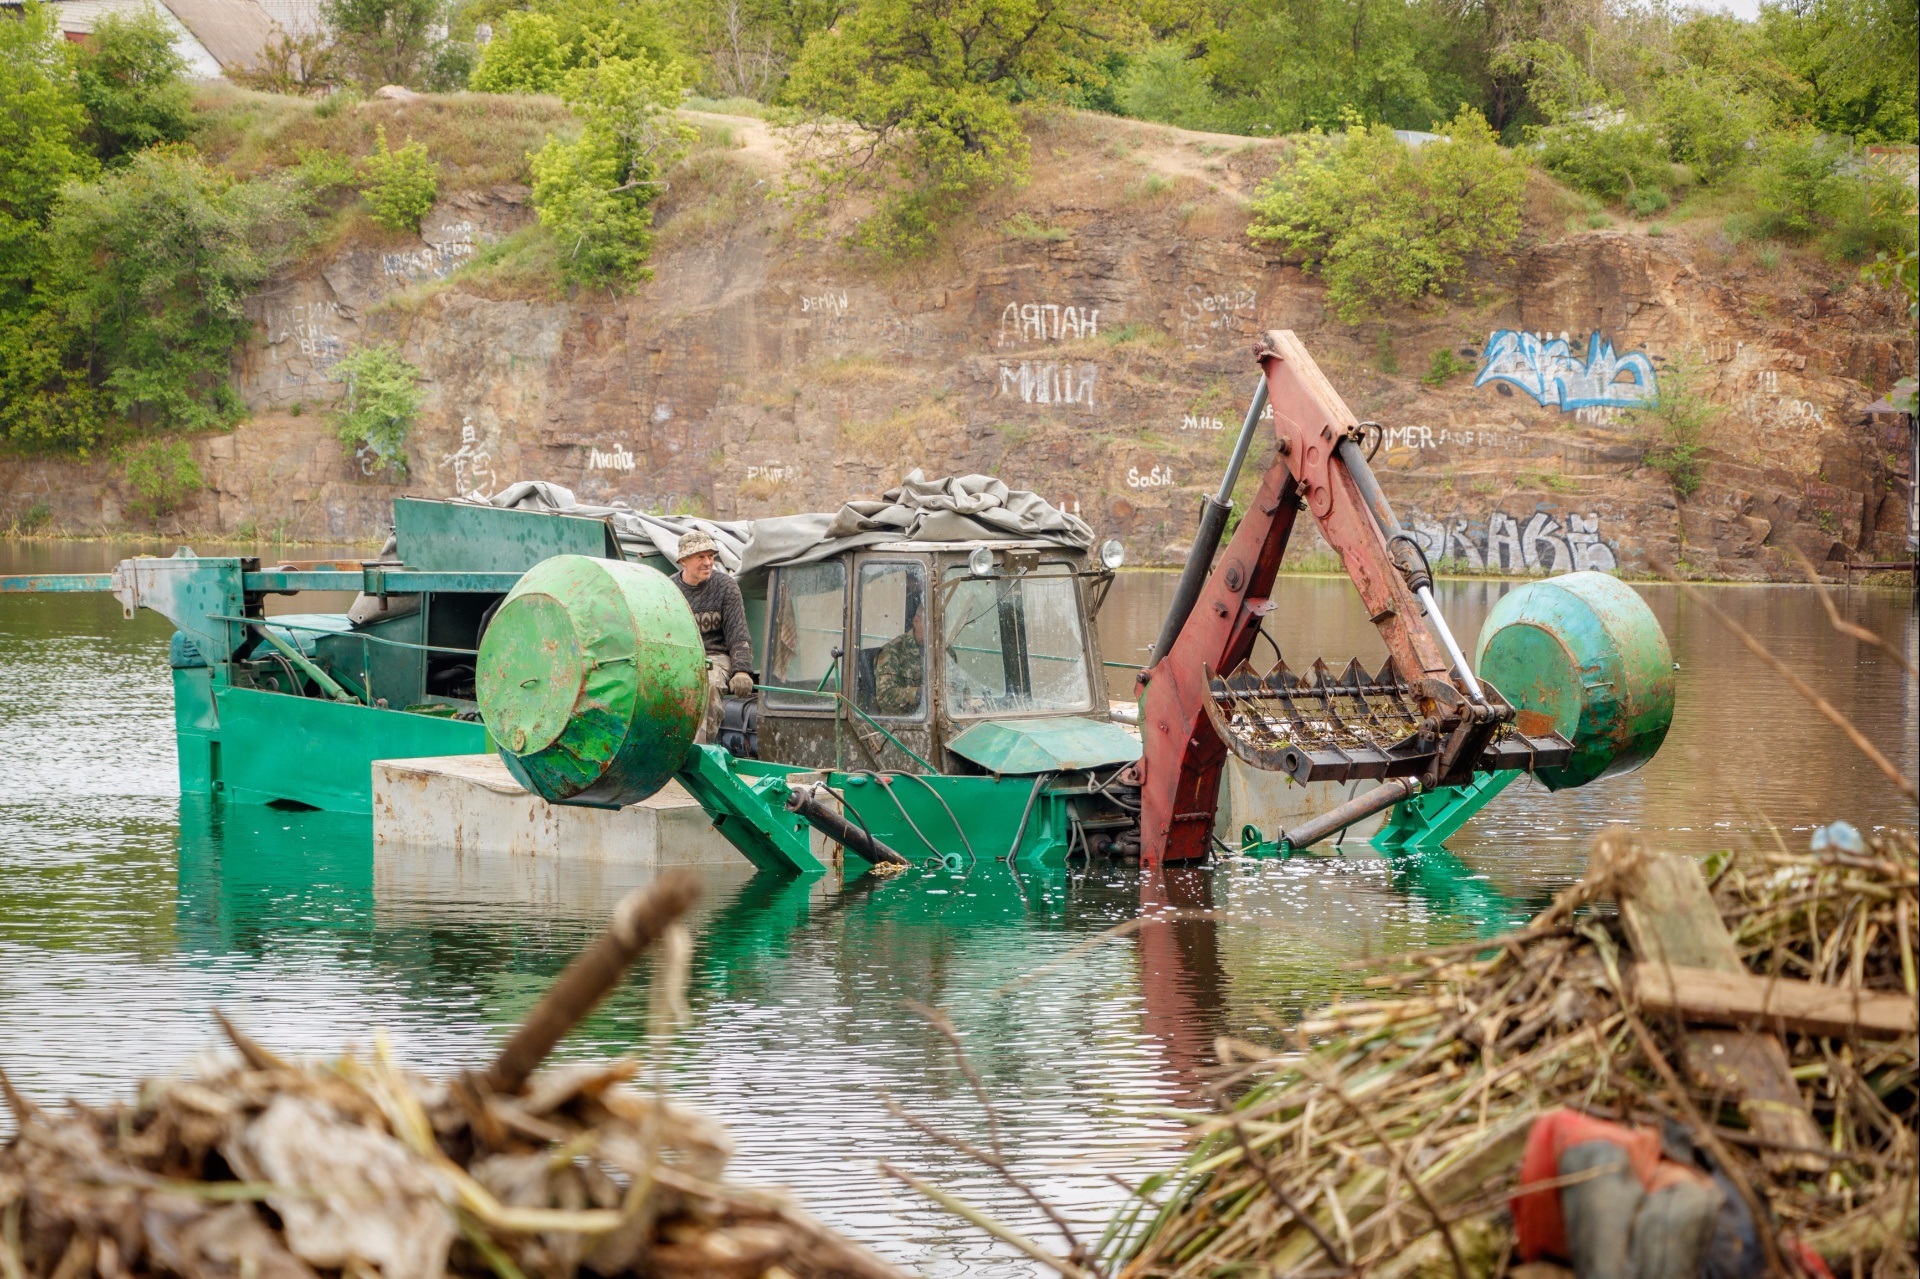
1584, 655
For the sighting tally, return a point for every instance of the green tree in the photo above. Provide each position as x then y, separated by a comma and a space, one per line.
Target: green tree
399, 186
1302, 64
1611, 161
1812, 187
381, 42
41, 120
129, 79
1709, 122
1859, 58
1165, 82
917, 99
595, 193
150, 268
1386, 222
381, 406
533, 51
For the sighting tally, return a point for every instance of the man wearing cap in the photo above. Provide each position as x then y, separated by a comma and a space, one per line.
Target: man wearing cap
718, 610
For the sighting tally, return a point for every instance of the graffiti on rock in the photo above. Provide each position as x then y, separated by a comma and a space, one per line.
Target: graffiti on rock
1503, 544
1425, 437
833, 302
472, 463
1200, 422
1545, 367
1204, 315
1023, 322
773, 473
1156, 477
1035, 382
454, 245
616, 458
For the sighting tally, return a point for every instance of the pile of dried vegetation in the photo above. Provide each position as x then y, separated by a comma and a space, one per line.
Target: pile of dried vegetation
258, 1168
1765, 1019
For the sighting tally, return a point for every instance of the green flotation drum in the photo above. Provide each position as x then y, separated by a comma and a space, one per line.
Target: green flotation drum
592, 680
1586, 653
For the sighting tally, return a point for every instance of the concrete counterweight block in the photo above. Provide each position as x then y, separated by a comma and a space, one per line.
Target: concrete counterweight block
459, 804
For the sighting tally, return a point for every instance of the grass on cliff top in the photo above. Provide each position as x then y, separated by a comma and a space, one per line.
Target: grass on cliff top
479, 139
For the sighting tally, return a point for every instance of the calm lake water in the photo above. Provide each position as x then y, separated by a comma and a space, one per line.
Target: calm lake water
126, 913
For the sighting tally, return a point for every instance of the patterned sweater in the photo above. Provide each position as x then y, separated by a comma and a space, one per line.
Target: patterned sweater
721, 616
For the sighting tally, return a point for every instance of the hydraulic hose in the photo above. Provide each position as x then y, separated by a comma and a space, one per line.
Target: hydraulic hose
1422, 581
839, 829
1213, 523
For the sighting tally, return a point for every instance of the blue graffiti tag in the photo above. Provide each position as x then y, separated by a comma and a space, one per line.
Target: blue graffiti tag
1548, 371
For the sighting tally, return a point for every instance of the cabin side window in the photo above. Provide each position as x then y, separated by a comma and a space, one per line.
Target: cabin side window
808, 627
891, 654
1015, 644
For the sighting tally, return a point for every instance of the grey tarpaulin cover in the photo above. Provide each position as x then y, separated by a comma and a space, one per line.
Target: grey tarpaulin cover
963, 508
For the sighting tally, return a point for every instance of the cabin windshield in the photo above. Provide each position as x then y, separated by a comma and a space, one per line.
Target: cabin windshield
1014, 644
808, 633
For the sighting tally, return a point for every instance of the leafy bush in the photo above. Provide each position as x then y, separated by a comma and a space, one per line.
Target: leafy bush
1808, 187
400, 186
1442, 366
1165, 82
381, 406
129, 80
150, 268
1675, 426
1607, 161
536, 49
1648, 201
914, 99
162, 475
595, 193
1385, 222
1709, 124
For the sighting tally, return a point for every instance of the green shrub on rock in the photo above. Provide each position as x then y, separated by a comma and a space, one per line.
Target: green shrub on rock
381, 406
162, 475
1384, 222
400, 186
595, 193
150, 268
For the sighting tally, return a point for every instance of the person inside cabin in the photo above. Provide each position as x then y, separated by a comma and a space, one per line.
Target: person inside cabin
900, 668
721, 615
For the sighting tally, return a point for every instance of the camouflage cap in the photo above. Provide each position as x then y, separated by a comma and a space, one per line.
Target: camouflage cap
693, 543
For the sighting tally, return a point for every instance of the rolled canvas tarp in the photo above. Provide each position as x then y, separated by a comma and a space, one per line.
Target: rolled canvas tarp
962, 508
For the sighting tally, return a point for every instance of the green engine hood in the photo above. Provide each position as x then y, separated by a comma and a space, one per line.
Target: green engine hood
1020, 746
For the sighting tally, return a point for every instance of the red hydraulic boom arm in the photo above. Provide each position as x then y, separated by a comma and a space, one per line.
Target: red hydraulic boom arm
1191, 716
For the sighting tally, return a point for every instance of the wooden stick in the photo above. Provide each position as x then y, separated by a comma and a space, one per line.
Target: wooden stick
1005, 1234
638, 921
1800, 686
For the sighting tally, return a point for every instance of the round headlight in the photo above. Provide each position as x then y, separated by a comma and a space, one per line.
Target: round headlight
980, 563
1112, 554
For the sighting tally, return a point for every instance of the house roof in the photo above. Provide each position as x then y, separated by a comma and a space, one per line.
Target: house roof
211, 35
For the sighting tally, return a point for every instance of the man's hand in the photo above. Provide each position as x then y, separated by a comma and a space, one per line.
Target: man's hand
741, 685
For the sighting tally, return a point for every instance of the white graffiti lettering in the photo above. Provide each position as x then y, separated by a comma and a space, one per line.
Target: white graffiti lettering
1157, 477
1504, 545
1425, 437
1544, 367
775, 474
616, 458
472, 464
1203, 314
1192, 423
828, 303
1023, 322
1037, 383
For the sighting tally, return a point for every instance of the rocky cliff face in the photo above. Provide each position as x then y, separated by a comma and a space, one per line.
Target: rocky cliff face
1089, 338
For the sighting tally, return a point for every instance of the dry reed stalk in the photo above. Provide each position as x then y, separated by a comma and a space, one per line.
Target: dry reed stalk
1401, 1123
